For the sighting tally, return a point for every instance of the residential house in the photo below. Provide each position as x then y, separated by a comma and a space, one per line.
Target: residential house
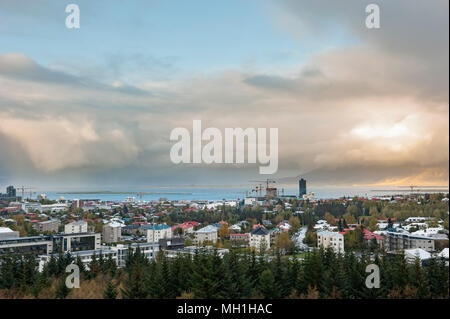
260, 238
208, 233
157, 232
80, 226
334, 240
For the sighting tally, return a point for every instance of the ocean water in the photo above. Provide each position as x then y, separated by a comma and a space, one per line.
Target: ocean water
213, 193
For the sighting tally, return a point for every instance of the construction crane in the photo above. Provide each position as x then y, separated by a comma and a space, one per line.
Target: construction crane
268, 189
31, 194
23, 188
257, 189
412, 188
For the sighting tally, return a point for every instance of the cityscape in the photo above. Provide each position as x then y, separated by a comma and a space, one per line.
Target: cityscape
283, 234
224, 158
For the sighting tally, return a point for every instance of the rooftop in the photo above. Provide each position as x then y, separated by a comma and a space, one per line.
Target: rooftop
207, 229
260, 231
5, 230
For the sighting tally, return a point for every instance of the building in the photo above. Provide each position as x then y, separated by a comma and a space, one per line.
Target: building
36, 245
75, 242
191, 250
157, 232
301, 187
260, 238
187, 227
171, 243
79, 226
10, 195
368, 236
117, 253
50, 226
49, 244
327, 239
404, 240
54, 208
112, 232
444, 255
11, 191
240, 240
208, 233
6, 233
417, 253
42, 197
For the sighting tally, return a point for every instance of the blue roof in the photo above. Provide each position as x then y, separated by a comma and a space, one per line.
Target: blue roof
156, 227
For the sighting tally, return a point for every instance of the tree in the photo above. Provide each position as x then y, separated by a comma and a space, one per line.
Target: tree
349, 218
206, 276
418, 280
294, 221
110, 291
266, 285
283, 242
390, 224
310, 238
62, 291
223, 231
178, 231
329, 218
340, 226
373, 224
352, 210
236, 283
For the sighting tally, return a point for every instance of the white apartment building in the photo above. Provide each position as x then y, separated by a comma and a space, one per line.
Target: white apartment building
112, 232
118, 254
404, 240
327, 239
157, 232
76, 227
208, 233
259, 238
7, 233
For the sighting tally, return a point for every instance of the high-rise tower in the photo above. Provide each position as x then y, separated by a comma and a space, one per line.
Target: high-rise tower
302, 187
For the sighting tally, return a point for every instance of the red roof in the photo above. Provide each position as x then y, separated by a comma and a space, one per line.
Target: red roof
185, 225
367, 234
8, 209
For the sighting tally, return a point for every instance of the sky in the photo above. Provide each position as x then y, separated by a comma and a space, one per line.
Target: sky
95, 106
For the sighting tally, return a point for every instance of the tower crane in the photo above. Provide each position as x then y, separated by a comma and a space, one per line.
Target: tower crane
23, 188
267, 182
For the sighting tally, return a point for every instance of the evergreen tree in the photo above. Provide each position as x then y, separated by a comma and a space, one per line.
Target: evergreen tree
7, 273
62, 291
205, 283
110, 291
266, 285
418, 280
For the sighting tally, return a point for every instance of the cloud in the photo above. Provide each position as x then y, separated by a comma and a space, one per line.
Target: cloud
18, 66
373, 110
